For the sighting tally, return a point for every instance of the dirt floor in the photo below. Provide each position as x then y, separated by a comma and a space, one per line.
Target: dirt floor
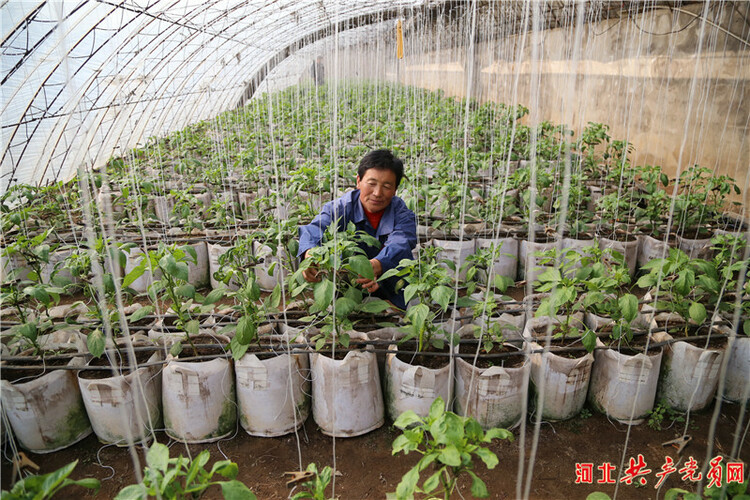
368, 469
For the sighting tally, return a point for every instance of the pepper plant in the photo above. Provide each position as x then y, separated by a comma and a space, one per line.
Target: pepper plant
428, 281
337, 298
238, 264
575, 274
185, 301
99, 287
448, 444
681, 285
183, 478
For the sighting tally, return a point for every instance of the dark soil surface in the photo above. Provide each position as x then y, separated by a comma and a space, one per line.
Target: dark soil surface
368, 470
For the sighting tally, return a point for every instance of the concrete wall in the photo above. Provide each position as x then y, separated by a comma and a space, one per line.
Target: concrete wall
677, 88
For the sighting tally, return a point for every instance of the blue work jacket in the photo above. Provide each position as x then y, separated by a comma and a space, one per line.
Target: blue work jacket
397, 233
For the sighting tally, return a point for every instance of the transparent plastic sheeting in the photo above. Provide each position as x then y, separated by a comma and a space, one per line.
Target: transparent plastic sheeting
84, 80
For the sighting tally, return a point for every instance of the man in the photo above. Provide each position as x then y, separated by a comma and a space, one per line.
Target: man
374, 208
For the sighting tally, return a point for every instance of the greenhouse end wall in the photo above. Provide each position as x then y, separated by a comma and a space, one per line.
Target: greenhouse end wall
680, 101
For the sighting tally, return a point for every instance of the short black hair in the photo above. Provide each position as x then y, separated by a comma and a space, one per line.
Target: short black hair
381, 159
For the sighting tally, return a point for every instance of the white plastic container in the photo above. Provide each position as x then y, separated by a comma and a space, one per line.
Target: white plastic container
273, 394
215, 251
124, 407
528, 262
624, 385
690, 374
46, 413
456, 252
506, 263
650, 248
267, 278
493, 396
696, 248
347, 399
737, 383
415, 387
199, 400
629, 250
134, 256
566, 382
198, 274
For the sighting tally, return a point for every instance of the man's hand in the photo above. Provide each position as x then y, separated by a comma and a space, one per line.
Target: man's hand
311, 273
372, 285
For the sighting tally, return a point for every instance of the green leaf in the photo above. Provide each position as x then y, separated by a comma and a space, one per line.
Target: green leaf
238, 349
437, 409
698, 312
676, 493
361, 266
95, 342
628, 307
236, 490
275, 298
344, 306
214, 296
589, 340
450, 455
551, 275
448, 429
376, 306
478, 488
187, 291
323, 294
157, 457
432, 482
246, 330
497, 433
487, 456
192, 327
37, 292
417, 315
684, 282
442, 295
405, 488
598, 495
132, 492
746, 327
141, 313
225, 468
407, 418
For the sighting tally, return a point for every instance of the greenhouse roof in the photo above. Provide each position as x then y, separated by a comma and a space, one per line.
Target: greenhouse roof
82, 81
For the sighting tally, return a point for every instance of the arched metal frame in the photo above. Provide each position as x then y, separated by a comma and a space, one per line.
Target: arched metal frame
101, 76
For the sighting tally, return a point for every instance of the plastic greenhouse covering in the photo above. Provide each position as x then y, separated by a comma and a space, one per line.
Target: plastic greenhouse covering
571, 318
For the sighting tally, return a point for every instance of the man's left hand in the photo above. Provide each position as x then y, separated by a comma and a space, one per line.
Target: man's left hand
372, 285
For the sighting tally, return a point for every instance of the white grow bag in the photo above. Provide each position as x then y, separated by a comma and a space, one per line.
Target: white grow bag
690, 374
199, 400
47, 413
623, 385
124, 406
496, 396
414, 387
738, 370
347, 400
273, 394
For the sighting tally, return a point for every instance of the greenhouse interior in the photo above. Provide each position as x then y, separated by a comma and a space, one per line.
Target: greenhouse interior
363, 249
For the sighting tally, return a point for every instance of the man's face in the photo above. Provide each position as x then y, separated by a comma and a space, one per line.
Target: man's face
376, 189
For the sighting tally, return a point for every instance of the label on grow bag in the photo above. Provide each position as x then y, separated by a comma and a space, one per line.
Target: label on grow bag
493, 386
187, 383
18, 401
633, 373
707, 367
359, 374
255, 377
104, 395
